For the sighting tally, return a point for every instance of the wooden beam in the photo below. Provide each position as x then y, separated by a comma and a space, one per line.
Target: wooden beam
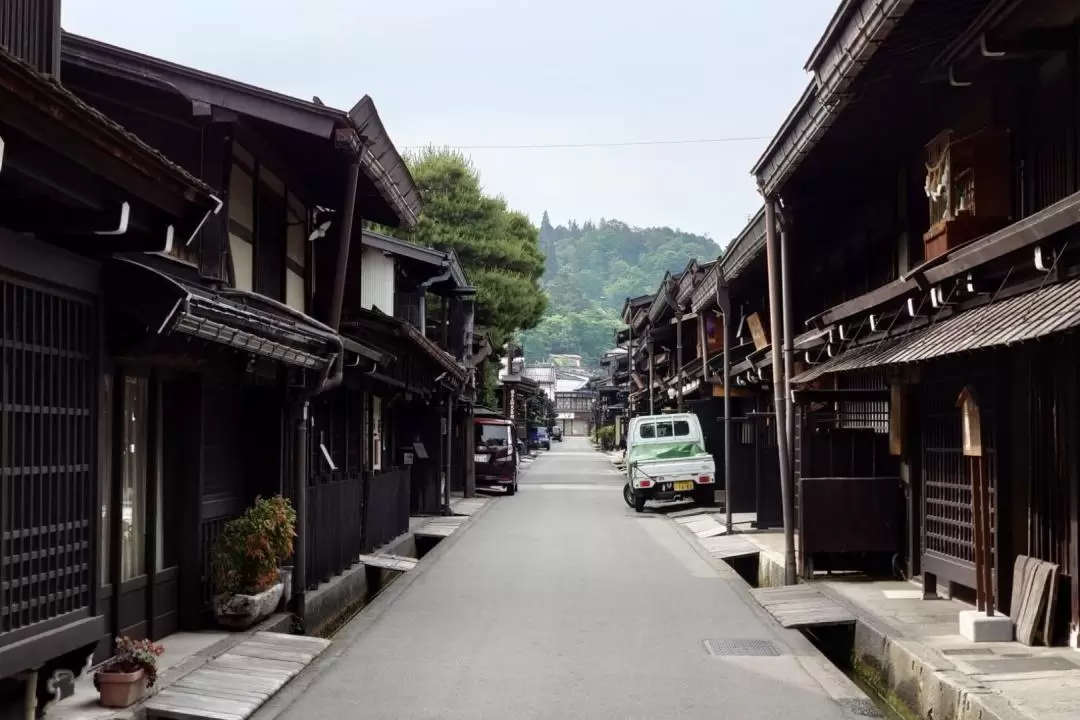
41, 217
813, 395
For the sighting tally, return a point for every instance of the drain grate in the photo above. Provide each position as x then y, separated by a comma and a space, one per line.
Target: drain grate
742, 648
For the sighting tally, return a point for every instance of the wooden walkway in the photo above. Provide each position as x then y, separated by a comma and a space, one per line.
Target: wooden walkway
468, 506
441, 527
232, 686
798, 606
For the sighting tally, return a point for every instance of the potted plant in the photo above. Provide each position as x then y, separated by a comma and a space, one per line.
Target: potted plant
124, 678
245, 562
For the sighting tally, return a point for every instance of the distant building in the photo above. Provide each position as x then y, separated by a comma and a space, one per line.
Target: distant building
568, 361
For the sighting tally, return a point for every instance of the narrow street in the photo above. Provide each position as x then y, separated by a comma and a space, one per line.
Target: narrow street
559, 602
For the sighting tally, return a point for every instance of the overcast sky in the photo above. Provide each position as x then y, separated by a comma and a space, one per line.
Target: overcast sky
472, 73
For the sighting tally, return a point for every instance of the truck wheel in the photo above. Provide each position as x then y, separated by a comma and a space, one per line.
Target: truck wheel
628, 494
639, 503
512, 487
705, 495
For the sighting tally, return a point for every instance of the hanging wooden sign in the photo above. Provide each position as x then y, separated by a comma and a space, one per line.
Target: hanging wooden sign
970, 422
757, 331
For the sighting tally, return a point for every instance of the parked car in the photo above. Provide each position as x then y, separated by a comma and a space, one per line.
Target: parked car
539, 439
497, 454
666, 459
556, 433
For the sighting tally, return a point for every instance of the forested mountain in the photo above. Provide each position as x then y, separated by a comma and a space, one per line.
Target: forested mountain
590, 269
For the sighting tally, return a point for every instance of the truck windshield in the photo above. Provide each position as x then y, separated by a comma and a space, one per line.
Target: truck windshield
665, 429
493, 435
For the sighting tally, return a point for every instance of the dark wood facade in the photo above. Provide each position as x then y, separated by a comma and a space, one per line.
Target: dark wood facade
165, 348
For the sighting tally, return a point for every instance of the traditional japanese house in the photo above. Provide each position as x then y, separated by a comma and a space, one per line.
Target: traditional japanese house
574, 408
219, 342
942, 207
516, 390
85, 549
418, 408
736, 410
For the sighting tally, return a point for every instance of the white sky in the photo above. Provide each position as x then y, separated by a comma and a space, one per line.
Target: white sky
514, 72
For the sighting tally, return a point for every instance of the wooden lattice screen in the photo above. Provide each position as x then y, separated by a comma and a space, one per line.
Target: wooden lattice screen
48, 425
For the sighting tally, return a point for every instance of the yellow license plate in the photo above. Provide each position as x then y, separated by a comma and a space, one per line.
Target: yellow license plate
684, 486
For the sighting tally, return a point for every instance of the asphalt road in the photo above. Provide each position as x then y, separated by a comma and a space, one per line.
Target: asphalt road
561, 602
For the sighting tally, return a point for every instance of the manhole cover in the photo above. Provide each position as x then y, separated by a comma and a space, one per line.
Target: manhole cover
741, 648
861, 707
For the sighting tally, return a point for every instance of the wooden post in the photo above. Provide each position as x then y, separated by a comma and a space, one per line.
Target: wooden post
971, 436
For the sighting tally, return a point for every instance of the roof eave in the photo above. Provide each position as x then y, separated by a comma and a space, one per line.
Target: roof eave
384, 165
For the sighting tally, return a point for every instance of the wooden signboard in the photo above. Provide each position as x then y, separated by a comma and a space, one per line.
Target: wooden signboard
757, 331
971, 437
896, 420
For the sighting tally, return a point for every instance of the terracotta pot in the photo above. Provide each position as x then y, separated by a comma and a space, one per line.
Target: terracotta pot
121, 690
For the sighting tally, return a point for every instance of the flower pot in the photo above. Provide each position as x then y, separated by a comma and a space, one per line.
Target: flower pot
121, 690
239, 612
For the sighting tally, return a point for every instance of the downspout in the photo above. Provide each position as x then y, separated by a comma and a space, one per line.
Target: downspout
678, 359
333, 376
785, 292
449, 452
423, 295
652, 374
725, 375
630, 367
776, 328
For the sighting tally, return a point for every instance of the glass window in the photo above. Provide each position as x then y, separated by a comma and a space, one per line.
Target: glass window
105, 536
648, 430
133, 483
663, 430
493, 435
682, 428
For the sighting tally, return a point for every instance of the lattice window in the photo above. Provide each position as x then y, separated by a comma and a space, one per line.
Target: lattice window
948, 526
48, 388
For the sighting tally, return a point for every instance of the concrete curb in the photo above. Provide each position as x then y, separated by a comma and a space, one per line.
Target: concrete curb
353, 630
921, 678
836, 685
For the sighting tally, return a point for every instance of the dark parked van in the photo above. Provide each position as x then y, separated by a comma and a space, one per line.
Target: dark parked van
496, 458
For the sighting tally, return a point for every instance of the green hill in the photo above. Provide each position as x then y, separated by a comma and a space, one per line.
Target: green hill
590, 269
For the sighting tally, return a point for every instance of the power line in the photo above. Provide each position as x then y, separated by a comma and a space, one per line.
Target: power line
629, 143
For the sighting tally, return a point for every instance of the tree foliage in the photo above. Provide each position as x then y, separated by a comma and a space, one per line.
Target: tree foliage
497, 246
592, 269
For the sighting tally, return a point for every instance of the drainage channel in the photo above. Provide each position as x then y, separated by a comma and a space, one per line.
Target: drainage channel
835, 642
378, 580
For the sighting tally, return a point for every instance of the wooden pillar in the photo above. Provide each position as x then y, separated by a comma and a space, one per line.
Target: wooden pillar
185, 399
214, 238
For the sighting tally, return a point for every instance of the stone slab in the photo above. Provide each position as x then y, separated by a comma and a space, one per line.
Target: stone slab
389, 562
978, 627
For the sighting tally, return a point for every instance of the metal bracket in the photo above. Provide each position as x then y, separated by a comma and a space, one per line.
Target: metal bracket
1044, 262
911, 311
1, 154
954, 82
122, 225
986, 52
873, 322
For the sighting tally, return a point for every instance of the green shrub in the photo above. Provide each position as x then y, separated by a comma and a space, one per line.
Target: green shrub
246, 555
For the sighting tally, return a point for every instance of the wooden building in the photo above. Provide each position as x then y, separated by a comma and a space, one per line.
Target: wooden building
942, 207
190, 317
